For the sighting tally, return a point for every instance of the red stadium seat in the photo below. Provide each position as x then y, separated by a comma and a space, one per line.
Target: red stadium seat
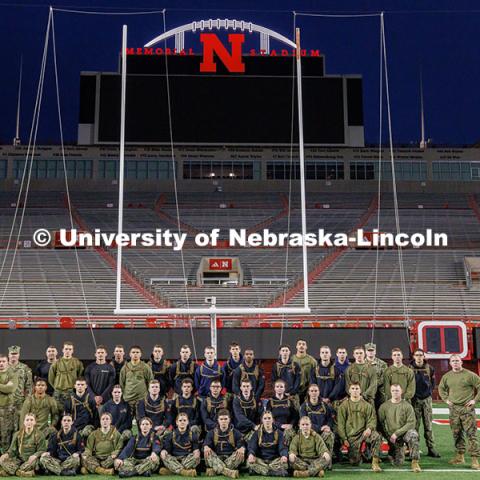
67, 322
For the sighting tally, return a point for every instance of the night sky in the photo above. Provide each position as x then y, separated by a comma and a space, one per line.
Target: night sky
438, 37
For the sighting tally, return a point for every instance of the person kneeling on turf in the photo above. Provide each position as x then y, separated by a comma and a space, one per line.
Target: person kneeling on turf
103, 447
28, 444
356, 423
141, 454
397, 419
267, 452
180, 450
224, 448
64, 449
309, 455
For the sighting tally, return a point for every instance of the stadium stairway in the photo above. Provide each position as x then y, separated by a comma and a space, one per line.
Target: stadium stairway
472, 202
318, 269
127, 276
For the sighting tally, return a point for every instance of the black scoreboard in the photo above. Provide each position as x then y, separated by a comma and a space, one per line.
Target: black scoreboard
255, 107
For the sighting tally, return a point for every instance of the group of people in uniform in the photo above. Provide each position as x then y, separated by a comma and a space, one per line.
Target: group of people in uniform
66, 420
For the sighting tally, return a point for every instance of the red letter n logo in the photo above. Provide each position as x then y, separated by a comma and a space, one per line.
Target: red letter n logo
212, 44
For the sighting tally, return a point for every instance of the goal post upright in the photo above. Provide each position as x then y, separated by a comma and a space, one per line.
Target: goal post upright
213, 310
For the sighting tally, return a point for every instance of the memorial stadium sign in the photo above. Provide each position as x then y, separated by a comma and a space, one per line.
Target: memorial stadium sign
214, 49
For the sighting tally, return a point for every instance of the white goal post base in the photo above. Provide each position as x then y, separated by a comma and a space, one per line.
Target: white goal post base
212, 311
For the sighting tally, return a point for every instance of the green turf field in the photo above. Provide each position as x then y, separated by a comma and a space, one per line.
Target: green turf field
437, 469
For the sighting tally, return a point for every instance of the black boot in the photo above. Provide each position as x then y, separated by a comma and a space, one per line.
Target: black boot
123, 474
68, 473
433, 453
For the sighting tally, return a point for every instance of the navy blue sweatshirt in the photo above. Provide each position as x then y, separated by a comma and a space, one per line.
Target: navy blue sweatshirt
283, 411
224, 443
141, 446
209, 409
180, 444
156, 410
254, 374
63, 446
246, 413
288, 372
161, 373
179, 371
121, 415
227, 372
117, 367
320, 414
424, 380
83, 410
267, 446
41, 371
190, 406
329, 381
204, 375
100, 380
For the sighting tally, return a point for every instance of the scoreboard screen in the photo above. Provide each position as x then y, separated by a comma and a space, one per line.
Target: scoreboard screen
255, 108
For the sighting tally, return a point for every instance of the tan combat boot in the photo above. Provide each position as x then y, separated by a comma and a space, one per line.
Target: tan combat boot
22, 473
104, 471
300, 473
321, 473
230, 473
376, 465
210, 472
416, 466
165, 471
84, 471
475, 465
458, 459
3, 473
190, 472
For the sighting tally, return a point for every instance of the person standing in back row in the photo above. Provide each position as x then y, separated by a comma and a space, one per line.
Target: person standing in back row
460, 389
24, 377
63, 374
422, 400
307, 364
43, 367
135, 377
8, 385
100, 377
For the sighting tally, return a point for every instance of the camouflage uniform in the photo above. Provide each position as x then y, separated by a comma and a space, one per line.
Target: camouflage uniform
45, 411
177, 464
24, 388
62, 376
224, 446
22, 448
399, 419
460, 388
134, 380
309, 452
379, 366
268, 448
136, 455
366, 376
220, 463
7, 409
54, 465
463, 423
353, 418
424, 413
269, 468
61, 448
101, 449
